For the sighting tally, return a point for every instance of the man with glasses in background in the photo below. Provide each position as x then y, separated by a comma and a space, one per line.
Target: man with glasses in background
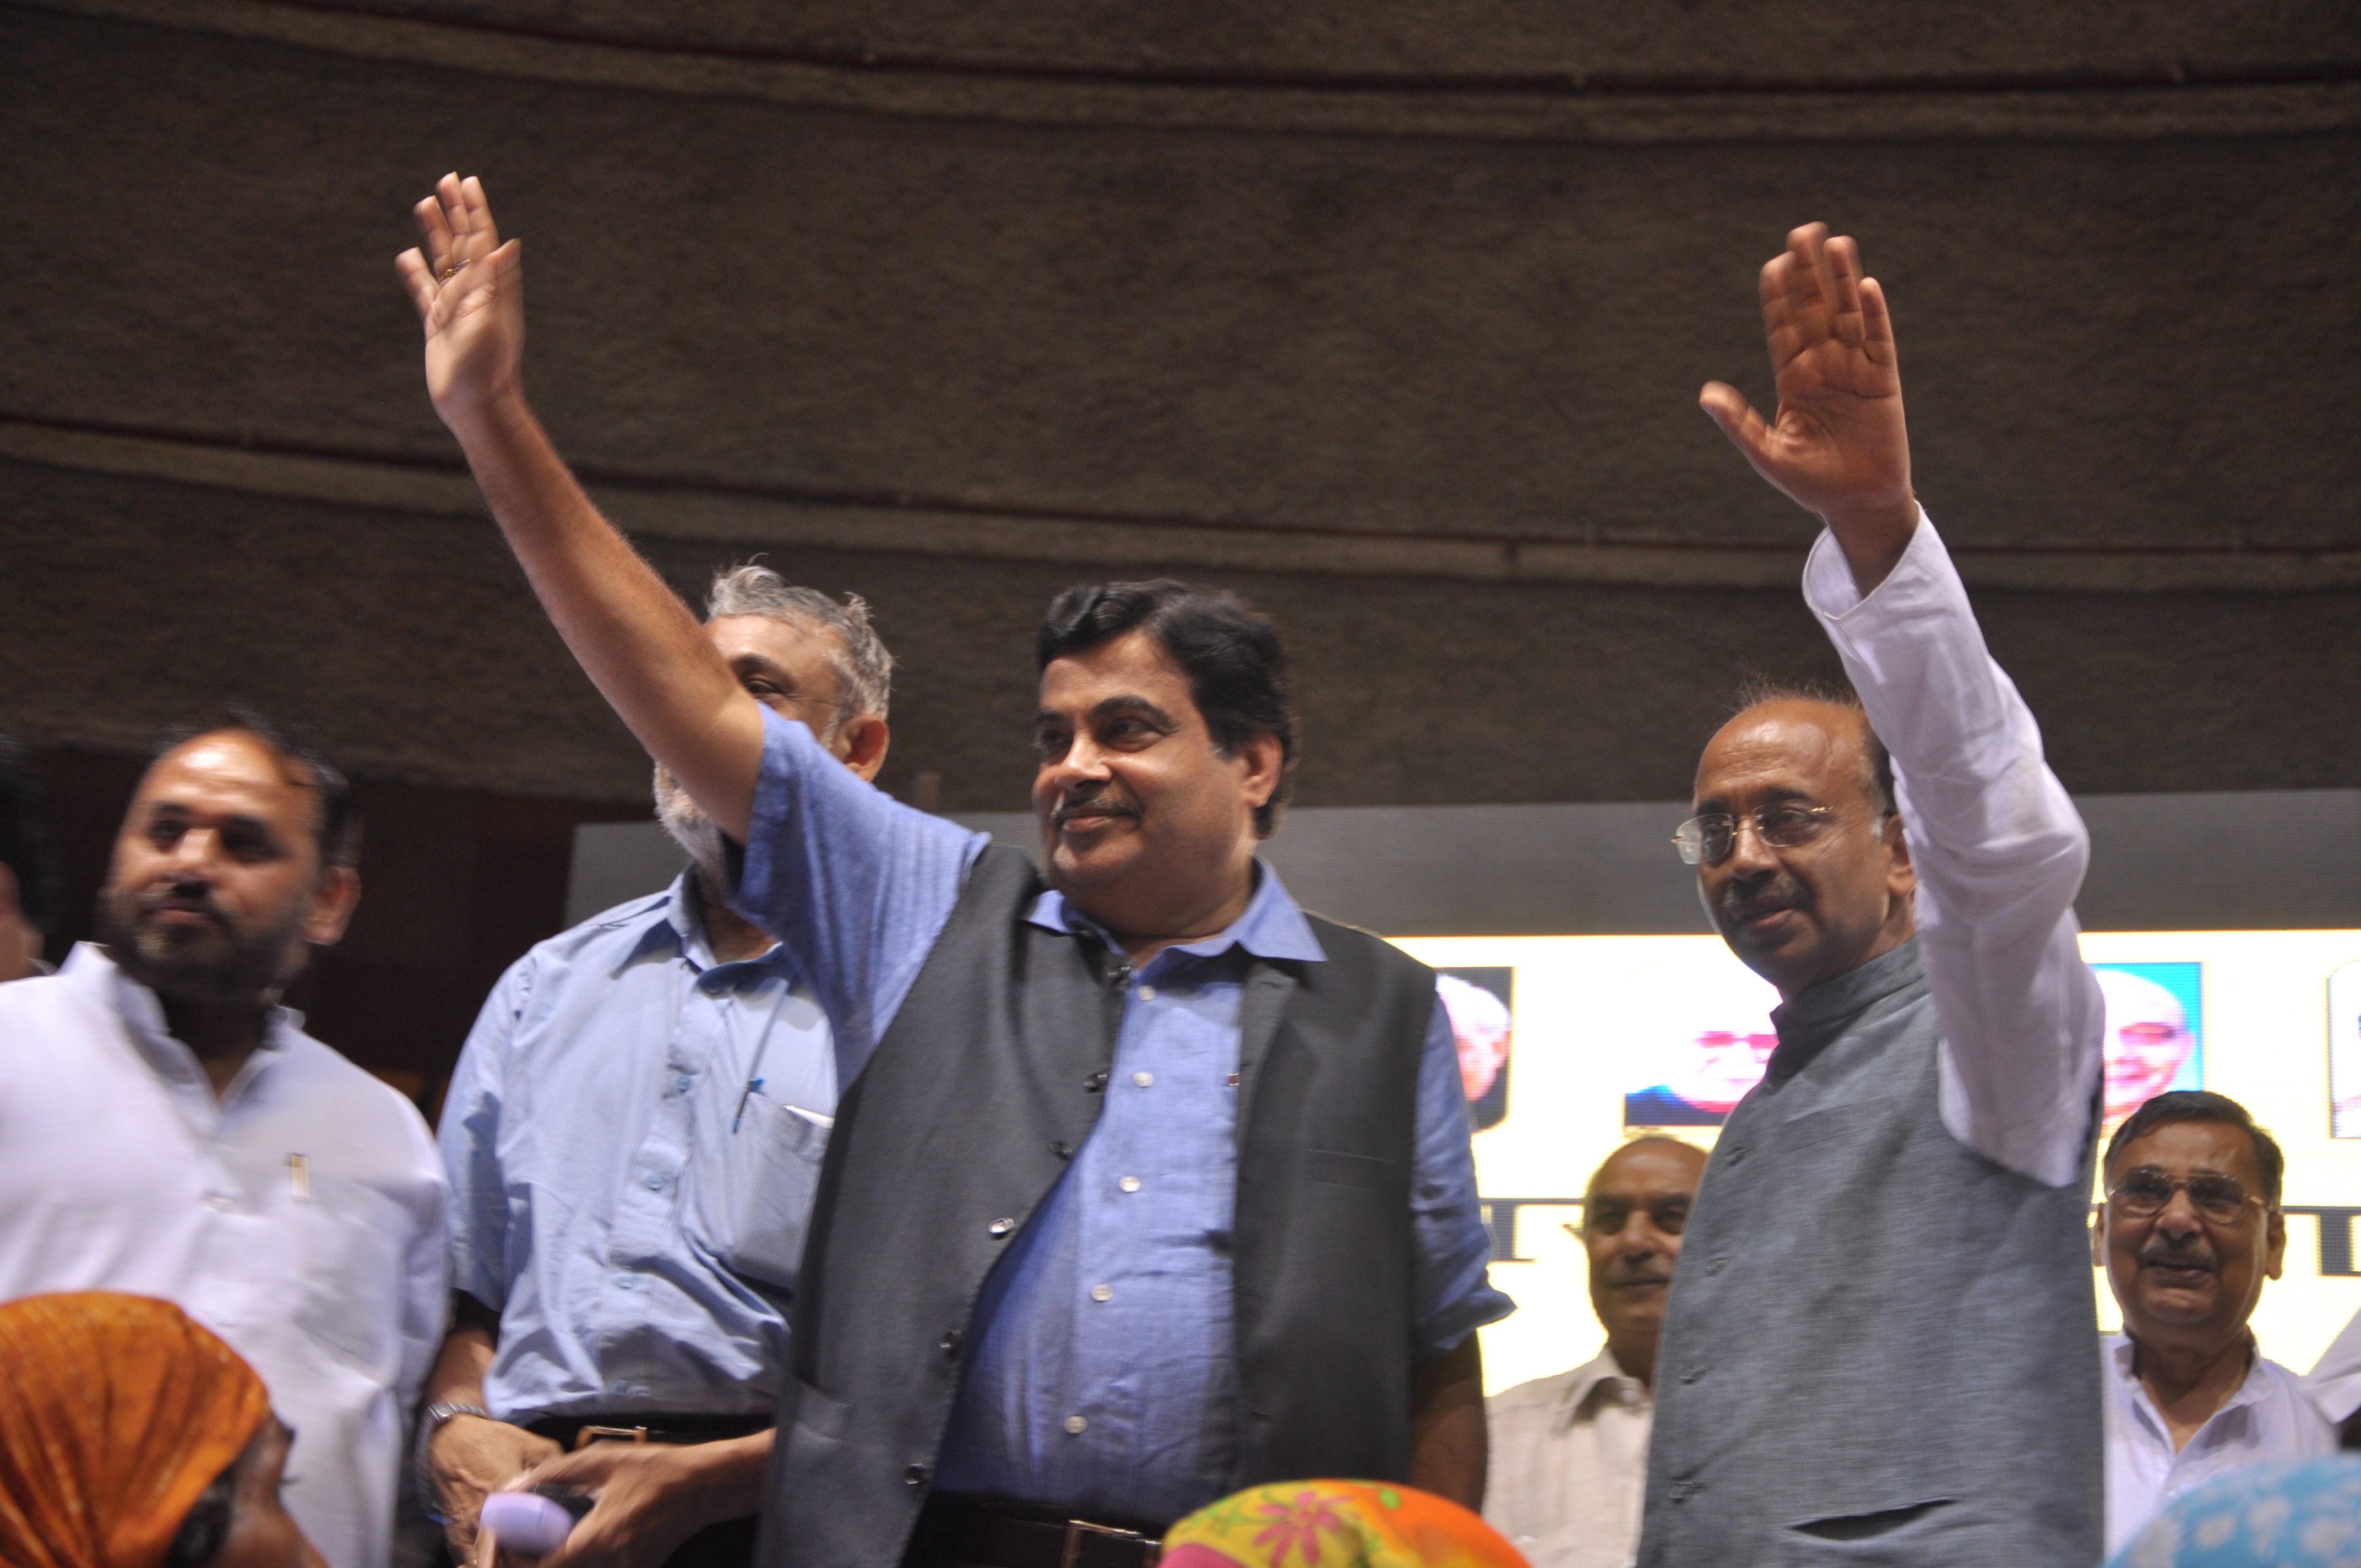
2189, 1231
1879, 1345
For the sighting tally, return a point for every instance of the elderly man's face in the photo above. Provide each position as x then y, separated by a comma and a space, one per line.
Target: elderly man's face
1803, 914
217, 885
792, 671
2181, 1279
1631, 1223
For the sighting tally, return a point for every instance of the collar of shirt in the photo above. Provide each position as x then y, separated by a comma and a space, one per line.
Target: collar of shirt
1602, 1381
1272, 928
673, 926
93, 972
2253, 1391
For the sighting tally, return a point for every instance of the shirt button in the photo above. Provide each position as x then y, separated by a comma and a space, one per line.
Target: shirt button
1143, 1079
219, 1202
1078, 1424
681, 1083
1101, 1292
915, 1476
1737, 1153
952, 1340
1001, 1227
1148, 993
1691, 1373
654, 1183
619, 1386
1714, 1265
1129, 1184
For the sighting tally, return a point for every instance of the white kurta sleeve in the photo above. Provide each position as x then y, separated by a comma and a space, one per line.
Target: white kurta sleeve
2000, 853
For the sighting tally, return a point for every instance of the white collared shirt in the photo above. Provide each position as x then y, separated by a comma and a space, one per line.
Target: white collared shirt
299, 1216
2268, 1419
1999, 850
1569, 1462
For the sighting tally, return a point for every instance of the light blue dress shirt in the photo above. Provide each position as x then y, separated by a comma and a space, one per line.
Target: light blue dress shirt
633, 1134
1103, 1373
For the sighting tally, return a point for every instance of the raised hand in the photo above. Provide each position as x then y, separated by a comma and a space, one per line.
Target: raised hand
469, 289
1838, 445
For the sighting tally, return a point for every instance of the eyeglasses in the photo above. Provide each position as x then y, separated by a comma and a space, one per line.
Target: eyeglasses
1711, 838
2144, 1191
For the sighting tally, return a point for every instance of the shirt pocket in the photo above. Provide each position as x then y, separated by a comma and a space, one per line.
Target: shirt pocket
751, 1192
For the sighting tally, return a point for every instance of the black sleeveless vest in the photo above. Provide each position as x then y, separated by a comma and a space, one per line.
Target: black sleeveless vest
989, 1078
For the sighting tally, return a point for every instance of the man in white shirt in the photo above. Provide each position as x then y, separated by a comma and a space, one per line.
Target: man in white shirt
2189, 1231
167, 1129
1570, 1452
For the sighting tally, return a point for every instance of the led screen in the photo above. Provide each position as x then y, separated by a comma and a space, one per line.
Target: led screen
1568, 1045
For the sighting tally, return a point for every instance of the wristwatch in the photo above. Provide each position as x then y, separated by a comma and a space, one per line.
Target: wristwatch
430, 1422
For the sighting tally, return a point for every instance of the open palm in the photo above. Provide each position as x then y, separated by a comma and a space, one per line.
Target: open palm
469, 289
1838, 444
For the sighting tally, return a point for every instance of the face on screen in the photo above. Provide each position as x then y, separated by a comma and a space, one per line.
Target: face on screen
1721, 1065
2147, 1042
1480, 1026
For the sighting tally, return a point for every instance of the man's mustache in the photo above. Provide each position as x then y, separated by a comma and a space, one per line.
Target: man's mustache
180, 902
1093, 806
2171, 1257
1641, 1277
1777, 890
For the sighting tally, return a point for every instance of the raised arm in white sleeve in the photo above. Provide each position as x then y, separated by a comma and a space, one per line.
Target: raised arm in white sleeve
1999, 849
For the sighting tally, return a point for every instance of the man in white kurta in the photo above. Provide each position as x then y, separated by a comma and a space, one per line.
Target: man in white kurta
1569, 1456
284, 1199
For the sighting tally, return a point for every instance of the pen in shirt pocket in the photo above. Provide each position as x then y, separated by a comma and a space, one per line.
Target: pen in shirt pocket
752, 1084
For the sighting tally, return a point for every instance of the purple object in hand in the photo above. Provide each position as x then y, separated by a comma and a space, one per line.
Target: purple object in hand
532, 1524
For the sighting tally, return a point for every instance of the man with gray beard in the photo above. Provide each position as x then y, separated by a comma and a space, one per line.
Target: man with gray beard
633, 1135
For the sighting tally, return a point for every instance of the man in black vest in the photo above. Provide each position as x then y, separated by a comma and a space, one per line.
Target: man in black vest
1881, 1346
1144, 1185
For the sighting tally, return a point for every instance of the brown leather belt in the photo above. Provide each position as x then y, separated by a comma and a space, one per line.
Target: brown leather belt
1018, 1535
579, 1431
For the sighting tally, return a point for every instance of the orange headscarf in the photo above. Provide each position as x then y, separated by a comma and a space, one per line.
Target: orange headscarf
1335, 1524
115, 1412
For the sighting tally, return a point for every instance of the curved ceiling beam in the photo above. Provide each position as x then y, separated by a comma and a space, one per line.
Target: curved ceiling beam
2081, 106
766, 516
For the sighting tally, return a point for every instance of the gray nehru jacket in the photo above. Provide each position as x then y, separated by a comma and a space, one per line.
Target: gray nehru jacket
1881, 1347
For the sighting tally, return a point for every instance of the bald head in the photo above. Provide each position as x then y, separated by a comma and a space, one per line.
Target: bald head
1633, 1212
1834, 890
1836, 736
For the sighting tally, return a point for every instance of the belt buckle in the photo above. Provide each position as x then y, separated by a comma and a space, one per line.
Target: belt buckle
1150, 1550
584, 1436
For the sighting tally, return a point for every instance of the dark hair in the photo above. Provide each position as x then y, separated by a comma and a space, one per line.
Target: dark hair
1757, 689
204, 1528
1237, 666
26, 848
2202, 1105
336, 829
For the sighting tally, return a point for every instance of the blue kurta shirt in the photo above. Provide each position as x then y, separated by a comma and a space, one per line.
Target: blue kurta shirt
633, 1135
1102, 1373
